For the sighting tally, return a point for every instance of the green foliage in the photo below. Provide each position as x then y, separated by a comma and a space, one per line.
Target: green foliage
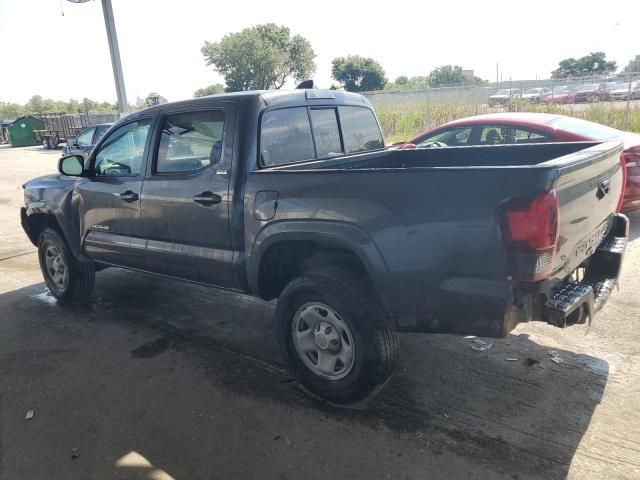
633, 66
11, 111
358, 74
260, 57
37, 104
448, 75
210, 90
593, 64
413, 83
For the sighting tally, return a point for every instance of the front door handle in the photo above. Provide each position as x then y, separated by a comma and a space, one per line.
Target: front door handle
129, 196
207, 198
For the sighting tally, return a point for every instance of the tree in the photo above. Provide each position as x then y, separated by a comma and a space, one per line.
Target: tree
11, 111
447, 75
401, 80
260, 57
73, 106
633, 66
154, 98
593, 64
210, 90
358, 74
35, 104
87, 105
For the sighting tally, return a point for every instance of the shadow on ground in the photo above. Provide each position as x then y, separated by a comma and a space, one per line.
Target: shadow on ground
190, 379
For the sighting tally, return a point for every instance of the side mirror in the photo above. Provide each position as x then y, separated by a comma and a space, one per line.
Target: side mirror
408, 146
72, 165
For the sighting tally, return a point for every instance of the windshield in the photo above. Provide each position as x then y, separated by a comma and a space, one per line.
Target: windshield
504, 91
584, 127
534, 90
589, 86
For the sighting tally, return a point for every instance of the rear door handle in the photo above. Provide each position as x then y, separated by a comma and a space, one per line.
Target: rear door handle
207, 198
129, 196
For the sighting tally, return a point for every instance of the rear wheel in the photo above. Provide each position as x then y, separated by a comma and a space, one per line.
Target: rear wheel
65, 276
336, 339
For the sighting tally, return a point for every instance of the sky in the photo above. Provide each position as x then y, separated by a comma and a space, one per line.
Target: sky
62, 57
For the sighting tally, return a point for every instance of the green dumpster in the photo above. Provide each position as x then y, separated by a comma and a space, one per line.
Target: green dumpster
21, 131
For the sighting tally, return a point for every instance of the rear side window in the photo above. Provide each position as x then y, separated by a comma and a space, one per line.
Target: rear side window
286, 137
360, 130
326, 132
100, 131
190, 141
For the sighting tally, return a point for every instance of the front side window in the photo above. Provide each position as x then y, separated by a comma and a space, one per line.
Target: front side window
360, 130
285, 137
122, 152
326, 132
85, 138
190, 141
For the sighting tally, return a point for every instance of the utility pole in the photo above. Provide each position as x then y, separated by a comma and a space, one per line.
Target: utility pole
112, 38
109, 23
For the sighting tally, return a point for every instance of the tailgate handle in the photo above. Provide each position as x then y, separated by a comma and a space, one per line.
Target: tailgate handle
603, 189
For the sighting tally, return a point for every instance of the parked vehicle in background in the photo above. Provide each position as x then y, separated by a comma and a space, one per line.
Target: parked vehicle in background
86, 140
590, 92
504, 97
61, 127
536, 95
527, 127
292, 195
621, 91
559, 95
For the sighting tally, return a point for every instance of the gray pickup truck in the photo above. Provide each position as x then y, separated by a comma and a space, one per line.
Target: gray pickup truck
292, 195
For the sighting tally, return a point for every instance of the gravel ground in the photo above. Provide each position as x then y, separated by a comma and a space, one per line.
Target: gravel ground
158, 379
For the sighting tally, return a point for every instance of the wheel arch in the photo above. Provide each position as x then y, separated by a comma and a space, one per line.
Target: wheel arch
284, 249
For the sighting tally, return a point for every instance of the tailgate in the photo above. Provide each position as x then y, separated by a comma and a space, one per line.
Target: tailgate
589, 185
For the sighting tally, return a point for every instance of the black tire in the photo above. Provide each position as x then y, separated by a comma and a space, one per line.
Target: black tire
79, 280
47, 143
374, 337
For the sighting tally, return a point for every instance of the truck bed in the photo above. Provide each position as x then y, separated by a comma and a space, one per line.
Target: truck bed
434, 217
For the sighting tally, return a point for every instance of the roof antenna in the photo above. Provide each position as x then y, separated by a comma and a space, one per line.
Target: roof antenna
305, 84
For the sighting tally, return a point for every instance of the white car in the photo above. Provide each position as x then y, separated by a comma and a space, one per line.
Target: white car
621, 91
536, 95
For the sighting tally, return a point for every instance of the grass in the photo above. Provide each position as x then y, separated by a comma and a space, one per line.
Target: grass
403, 121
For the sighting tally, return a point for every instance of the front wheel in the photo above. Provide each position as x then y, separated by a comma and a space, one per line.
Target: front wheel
337, 341
66, 277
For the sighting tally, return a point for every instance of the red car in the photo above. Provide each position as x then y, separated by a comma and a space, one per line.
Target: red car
560, 95
515, 128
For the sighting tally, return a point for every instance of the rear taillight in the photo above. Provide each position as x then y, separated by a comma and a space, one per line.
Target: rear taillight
625, 166
632, 160
530, 227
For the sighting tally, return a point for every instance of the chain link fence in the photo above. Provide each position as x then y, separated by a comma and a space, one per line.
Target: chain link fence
405, 113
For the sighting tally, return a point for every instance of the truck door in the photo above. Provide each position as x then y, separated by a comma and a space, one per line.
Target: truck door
185, 196
109, 202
